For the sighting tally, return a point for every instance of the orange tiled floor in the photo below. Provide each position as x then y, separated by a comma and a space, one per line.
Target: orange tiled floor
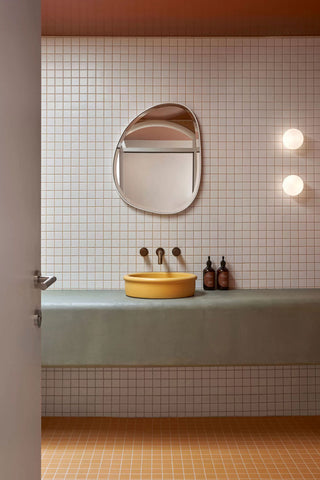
271, 448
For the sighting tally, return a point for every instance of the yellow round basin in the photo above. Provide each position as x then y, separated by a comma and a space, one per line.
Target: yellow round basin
160, 285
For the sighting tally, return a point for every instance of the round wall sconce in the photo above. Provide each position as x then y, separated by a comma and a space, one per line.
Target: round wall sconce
292, 185
293, 139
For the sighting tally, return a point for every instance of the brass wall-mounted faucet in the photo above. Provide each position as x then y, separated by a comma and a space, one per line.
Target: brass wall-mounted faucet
160, 253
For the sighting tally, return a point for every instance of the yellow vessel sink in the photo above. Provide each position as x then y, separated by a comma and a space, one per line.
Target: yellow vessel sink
160, 285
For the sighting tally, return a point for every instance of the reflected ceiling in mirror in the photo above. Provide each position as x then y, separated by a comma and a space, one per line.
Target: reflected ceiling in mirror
157, 162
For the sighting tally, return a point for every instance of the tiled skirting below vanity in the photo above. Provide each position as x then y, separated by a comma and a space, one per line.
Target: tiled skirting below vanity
182, 391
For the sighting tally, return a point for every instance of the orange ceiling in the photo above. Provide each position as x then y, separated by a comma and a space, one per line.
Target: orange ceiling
180, 17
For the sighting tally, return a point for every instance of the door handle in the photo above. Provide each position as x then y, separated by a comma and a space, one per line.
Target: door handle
43, 282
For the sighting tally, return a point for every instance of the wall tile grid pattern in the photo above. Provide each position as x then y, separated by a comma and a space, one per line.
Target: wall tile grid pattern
245, 92
182, 391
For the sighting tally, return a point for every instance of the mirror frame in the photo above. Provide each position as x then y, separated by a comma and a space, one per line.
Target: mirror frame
198, 151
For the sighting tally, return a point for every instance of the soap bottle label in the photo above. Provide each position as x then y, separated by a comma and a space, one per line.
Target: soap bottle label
223, 279
208, 279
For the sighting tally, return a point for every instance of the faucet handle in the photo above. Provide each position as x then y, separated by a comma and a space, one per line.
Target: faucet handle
144, 251
176, 251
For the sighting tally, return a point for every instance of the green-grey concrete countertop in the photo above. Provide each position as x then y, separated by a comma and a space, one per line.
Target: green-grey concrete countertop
235, 327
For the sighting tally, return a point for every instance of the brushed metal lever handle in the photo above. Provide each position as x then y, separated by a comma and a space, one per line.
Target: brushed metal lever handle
43, 282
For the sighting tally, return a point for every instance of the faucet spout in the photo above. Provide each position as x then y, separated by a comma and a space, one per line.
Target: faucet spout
160, 253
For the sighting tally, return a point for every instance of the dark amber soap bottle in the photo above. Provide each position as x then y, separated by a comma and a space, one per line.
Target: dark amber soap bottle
208, 276
222, 276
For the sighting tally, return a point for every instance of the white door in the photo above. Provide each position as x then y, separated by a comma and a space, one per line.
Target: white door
19, 239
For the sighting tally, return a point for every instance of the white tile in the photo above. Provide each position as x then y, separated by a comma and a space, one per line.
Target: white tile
91, 392
243, 109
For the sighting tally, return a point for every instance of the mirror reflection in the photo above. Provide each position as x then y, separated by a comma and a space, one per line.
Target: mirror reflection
157, 163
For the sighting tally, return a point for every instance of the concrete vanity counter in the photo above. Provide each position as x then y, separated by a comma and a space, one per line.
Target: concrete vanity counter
236, 327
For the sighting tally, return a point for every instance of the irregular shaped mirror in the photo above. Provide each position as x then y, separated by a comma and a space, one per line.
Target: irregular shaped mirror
157, 162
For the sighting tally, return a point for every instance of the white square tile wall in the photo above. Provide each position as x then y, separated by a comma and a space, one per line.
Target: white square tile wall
245, 92
182, 391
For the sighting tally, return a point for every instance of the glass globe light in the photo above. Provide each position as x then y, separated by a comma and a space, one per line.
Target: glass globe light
293, 139
292, 185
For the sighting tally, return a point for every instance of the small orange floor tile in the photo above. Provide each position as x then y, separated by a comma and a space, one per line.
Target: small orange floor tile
264, 448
